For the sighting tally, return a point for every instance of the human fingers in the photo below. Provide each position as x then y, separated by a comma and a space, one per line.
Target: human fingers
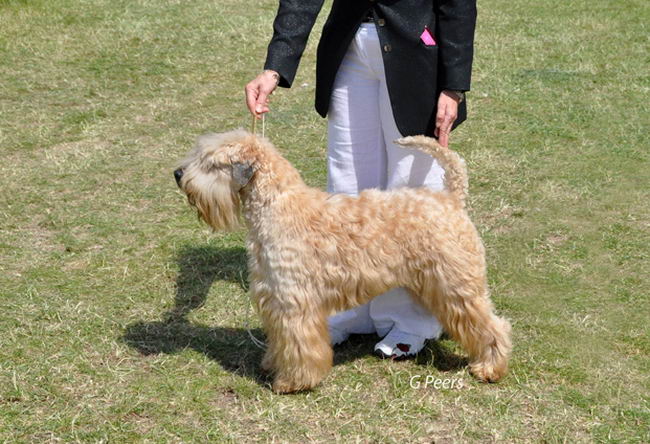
252, 92
445, 127
440, 119
268, 82
448, 107
258, 90
262, 103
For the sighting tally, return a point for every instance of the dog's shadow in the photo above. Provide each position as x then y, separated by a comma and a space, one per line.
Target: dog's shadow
233, 348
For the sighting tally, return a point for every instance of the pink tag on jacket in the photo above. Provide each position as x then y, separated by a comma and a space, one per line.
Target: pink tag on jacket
427, 38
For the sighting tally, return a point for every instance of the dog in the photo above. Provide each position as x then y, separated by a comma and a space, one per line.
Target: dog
311, 253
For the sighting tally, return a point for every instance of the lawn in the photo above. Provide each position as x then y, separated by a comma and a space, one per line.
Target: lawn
123, 318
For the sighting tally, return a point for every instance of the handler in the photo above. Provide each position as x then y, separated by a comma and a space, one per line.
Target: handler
385, 69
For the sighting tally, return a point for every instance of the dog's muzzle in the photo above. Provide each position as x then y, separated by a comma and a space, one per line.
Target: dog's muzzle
178, 175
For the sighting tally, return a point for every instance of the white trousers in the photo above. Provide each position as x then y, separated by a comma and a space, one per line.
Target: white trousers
361, 154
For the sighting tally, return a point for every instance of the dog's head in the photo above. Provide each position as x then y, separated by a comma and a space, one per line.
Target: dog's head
214, 173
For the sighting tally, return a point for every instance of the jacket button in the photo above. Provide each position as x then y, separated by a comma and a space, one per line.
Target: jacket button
387, 48
381, 22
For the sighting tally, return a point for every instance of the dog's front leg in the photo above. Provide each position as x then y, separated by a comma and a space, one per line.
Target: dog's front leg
299, 351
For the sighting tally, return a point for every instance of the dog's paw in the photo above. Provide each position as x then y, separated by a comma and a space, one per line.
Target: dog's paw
488, 373
281, 385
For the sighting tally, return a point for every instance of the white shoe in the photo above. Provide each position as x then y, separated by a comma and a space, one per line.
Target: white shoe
398, 345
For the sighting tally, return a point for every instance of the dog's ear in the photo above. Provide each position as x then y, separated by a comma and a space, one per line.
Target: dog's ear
242, 173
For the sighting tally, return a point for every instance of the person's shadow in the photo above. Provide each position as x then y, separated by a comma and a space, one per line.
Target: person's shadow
233, 348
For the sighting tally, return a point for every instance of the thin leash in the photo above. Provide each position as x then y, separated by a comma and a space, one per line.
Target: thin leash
254, 125
247, 321
257, 342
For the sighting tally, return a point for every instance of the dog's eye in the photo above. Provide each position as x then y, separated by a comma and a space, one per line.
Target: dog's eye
211, 166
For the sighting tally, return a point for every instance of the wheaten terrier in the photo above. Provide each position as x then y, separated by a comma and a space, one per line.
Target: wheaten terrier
312, 253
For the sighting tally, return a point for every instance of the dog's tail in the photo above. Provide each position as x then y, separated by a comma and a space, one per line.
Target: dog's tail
454, 165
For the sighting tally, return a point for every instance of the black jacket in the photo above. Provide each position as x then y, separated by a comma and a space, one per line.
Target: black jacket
415, 73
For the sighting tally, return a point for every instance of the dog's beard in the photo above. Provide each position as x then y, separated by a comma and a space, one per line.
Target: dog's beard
216, 204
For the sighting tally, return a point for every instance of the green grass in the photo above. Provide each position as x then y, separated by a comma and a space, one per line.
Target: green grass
122, 318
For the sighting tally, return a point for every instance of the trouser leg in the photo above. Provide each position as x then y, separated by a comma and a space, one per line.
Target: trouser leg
404, 168
356, 157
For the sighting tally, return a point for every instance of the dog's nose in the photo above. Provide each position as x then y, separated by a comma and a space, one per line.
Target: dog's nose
178, 174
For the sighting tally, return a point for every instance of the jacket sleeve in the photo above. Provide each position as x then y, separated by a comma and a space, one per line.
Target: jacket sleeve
455, 33
291, 28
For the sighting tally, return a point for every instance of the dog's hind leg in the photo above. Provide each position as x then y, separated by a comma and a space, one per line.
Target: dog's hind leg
299, 353
485, 336
470, 320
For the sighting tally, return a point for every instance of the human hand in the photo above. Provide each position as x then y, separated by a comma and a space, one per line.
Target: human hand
258, 91
447, 113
